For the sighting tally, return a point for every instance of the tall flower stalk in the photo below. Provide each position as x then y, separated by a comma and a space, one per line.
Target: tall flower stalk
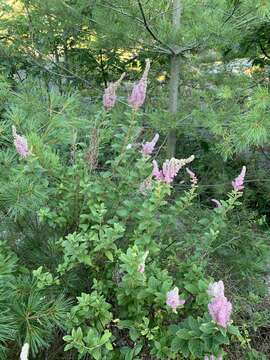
20, 143
109, 96
219, 308
238, 182
137, 97
149, 147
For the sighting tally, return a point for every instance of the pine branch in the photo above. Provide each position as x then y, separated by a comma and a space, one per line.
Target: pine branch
263, 50
147, 27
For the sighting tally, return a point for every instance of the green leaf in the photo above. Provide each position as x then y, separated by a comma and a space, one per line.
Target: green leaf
77, 334
193, 323
207, 328
178, 344
138, 349
195, 347
109, 346
129, 354
234, 330
184, 334
133, 333
67, 338
202, 285
68, 347
105, 337
122, 212
221, 339
191, 288
109, 255
96, 354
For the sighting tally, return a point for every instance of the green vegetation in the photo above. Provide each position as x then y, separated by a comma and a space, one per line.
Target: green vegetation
134, 220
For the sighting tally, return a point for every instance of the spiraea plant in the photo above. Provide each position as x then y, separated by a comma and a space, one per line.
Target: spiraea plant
110, 255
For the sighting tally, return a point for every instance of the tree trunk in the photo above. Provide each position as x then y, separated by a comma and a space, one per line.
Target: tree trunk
174, 80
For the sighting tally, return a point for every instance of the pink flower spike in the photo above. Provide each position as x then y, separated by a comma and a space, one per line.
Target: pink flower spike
216, 289
217, 203
137, 97
170, 169
193, 177
173, 300
220, 309
20, 143
109, 96
212, 357
238, 182
149, 147
156, 172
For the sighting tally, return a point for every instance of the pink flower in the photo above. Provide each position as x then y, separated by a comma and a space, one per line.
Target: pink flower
141, 266
220, 309
212, 357
173, 300
20, 143
217, 203
192, 176
170, 169
156, 172
148, 147
216, 289
109, 96
239, 181
137, 97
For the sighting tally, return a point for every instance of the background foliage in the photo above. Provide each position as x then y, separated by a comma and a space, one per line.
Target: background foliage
74, 224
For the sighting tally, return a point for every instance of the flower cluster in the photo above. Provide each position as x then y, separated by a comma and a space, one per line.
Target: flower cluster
20, 143
193, 177
238, 183
109, 97
173, 300
137, 97
212, 357
216, 289
149, 147
219, 308
170, 169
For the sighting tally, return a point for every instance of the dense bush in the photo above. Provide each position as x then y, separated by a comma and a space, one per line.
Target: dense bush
97, 242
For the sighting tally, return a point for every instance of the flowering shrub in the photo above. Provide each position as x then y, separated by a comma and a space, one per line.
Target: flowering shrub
139, 304
134, 252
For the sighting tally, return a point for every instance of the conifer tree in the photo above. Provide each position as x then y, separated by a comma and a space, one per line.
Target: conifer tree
173, 30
